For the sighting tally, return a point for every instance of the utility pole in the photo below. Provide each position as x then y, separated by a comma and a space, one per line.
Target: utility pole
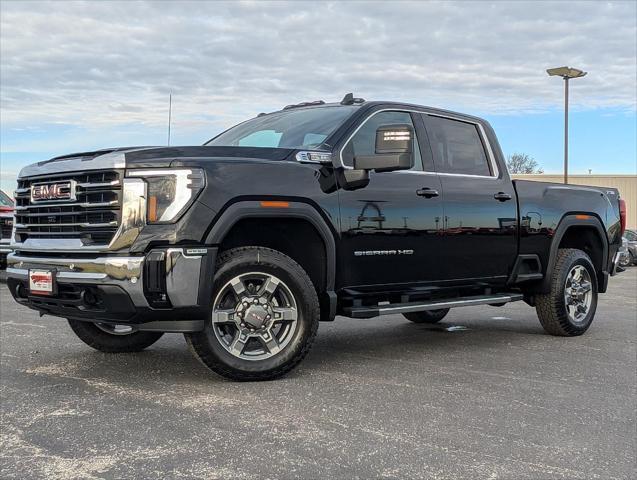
566, 73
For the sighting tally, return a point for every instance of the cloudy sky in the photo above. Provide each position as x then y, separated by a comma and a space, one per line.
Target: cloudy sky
77, 76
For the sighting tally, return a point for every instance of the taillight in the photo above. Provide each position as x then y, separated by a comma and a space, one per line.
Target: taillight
622, 215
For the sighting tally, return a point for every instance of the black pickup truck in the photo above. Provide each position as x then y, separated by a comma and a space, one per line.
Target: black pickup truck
354, 208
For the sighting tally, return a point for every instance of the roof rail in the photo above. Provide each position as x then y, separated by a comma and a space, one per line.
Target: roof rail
304, 104
349, 99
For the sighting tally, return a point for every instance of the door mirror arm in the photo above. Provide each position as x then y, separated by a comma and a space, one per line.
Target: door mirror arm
350, 179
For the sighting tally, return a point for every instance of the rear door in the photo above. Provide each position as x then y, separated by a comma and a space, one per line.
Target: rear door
480, 211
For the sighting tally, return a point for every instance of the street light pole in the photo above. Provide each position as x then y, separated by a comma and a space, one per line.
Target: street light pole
565, 129
566, 73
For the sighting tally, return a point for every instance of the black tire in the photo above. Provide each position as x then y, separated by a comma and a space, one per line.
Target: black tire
429, 316
551, 307
103, 341
207, 347
626, 260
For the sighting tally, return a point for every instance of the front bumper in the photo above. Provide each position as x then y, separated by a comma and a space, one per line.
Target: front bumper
168, 289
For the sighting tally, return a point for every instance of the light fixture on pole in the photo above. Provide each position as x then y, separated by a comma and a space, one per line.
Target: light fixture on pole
566, 73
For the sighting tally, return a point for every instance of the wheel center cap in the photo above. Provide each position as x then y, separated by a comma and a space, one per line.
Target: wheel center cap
255, 315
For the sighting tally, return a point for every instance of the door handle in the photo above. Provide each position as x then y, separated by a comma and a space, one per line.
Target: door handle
503, 197
427, 192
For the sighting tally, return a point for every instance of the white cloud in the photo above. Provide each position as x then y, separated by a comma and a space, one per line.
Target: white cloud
113, 63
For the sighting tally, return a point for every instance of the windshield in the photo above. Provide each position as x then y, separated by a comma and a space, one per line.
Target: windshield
299, 128
5, 201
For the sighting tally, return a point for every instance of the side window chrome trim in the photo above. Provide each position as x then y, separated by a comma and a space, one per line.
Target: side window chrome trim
420, 172
417, 172
482, 133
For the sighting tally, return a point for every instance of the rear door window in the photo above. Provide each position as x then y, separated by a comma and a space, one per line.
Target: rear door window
457, 147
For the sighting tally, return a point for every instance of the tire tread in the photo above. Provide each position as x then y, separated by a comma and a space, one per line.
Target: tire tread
197, 345
550, 311
428, 316
95, 338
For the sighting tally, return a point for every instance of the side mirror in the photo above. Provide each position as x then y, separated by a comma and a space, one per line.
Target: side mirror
393, 150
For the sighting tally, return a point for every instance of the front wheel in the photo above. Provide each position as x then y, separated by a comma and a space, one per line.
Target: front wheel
264, 318
569, 308
113, 338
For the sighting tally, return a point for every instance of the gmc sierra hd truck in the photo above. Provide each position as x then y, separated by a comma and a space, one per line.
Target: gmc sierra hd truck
353, 208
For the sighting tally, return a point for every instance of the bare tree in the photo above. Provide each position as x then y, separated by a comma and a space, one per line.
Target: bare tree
523, 163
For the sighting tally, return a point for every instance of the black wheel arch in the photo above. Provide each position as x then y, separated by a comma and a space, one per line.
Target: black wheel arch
240, 210
568, 224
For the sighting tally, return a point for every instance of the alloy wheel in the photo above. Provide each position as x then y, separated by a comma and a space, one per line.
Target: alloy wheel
254, 316
578, 295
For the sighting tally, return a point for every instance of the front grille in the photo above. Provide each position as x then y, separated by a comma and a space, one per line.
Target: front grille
6, 225
93, 216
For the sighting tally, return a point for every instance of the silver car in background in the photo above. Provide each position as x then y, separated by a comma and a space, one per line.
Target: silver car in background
629, 248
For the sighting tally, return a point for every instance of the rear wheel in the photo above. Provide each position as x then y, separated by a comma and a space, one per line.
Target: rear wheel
113, 338
429, 316
569, 308
264, 319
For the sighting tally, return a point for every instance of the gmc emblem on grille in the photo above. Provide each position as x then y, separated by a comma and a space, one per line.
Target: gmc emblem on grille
60, 191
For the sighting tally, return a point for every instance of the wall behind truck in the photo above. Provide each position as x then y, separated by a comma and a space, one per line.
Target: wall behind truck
626, 184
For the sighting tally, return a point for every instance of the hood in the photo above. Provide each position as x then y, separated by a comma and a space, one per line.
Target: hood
167, 156
147, 157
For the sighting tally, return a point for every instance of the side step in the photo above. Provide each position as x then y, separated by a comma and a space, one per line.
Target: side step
392, 308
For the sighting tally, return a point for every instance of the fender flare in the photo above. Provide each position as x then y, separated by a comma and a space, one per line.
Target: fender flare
571, 220
253, 209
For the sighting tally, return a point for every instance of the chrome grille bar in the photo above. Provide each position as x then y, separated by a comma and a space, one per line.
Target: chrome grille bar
79, 224
82, 204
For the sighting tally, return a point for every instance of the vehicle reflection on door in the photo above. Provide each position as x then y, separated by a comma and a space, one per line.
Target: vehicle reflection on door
390, 231
365, 222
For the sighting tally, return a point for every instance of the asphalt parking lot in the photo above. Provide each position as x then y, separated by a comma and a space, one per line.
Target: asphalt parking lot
484, 395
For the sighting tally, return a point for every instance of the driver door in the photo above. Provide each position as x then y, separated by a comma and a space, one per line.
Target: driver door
391, 230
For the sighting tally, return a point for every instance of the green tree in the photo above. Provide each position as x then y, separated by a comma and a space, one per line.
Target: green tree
523, 163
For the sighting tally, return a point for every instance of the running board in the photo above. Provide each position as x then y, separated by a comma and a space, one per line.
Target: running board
392, 308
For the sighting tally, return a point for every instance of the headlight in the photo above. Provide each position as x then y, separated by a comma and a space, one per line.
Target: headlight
170, 191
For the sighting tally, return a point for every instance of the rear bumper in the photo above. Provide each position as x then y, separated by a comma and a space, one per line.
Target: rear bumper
167, 289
